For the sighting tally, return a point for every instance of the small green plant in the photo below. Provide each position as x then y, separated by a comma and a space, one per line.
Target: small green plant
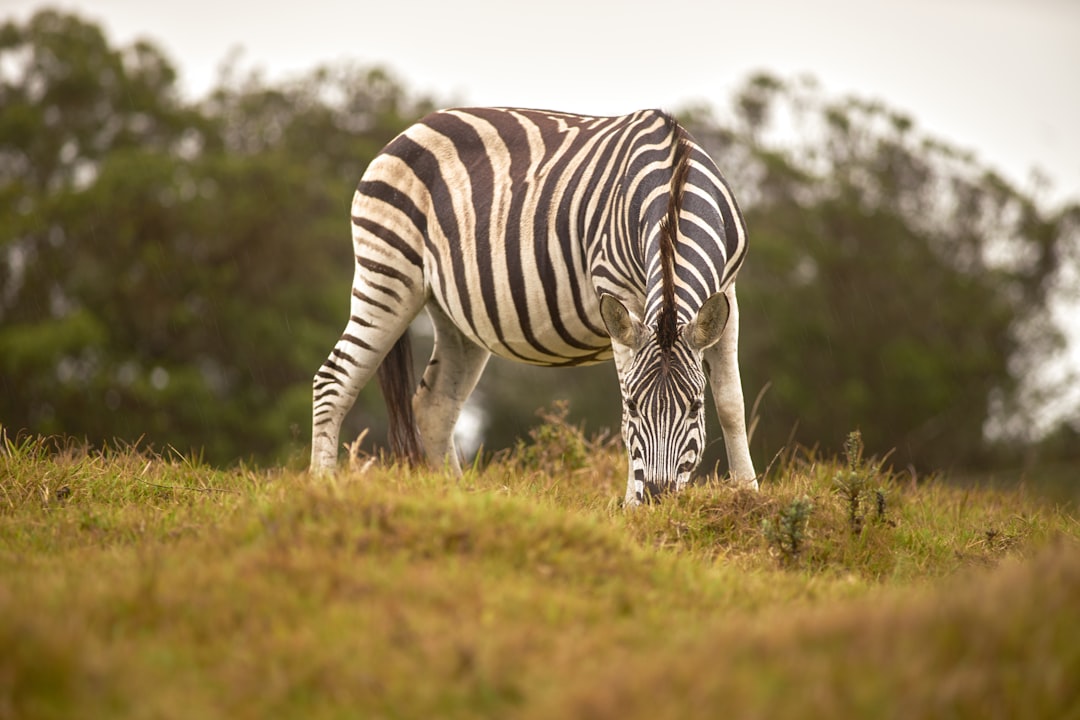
853, 484
555, 443
786, 534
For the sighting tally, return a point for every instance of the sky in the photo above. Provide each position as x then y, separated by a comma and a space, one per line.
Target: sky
999, 78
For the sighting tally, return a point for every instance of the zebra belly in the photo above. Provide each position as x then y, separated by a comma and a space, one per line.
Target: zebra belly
521, 328
522, 351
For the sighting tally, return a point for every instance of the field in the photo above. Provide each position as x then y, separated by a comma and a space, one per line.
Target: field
137, 585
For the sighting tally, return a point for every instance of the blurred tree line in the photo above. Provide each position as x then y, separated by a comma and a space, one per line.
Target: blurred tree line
174, 272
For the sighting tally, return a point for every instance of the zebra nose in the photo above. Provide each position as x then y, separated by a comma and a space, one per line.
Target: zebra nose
653, 492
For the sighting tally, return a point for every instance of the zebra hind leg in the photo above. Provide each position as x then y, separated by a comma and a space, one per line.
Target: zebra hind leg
373, 328
455, 368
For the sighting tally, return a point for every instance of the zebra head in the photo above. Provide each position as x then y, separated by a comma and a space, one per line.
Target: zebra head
663, 390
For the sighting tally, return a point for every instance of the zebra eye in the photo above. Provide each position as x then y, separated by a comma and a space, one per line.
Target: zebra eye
631, 407
695, 407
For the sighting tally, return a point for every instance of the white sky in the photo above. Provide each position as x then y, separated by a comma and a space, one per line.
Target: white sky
1000, 77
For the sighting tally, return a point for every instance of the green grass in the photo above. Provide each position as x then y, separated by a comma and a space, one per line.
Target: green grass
133, 585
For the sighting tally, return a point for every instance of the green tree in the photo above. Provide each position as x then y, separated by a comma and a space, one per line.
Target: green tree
72, 110
171, 271
177, 271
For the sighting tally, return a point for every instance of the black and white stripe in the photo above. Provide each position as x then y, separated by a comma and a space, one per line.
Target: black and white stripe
512, 225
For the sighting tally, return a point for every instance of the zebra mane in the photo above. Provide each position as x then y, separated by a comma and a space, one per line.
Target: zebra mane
666, 327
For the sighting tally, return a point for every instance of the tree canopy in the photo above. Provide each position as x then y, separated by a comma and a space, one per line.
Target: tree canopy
894, 284
175, 271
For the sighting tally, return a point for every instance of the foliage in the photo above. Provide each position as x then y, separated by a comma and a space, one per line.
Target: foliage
148, 585
554, 445
509, 392
169, 270
787, 533
856, 482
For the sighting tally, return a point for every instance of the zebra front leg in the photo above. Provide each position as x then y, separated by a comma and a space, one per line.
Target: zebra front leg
722, 360
455, 368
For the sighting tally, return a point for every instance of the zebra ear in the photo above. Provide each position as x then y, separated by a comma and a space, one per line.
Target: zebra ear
705, 330
623, 327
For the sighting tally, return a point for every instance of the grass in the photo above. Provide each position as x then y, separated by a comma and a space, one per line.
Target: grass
139, 586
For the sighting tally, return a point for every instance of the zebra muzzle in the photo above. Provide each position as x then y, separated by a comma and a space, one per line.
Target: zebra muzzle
653, 492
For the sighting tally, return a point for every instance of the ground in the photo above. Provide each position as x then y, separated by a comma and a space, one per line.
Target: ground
136, 585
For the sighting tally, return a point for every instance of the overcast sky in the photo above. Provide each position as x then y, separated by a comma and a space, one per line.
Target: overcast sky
999, 77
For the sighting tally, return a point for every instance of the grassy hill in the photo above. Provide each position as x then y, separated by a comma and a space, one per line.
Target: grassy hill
134, 585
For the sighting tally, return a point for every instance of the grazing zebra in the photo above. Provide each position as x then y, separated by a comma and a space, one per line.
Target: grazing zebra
551, 239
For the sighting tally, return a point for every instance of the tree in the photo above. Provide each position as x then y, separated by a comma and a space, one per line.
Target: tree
69, 108
172, 272
177, 271
893, 284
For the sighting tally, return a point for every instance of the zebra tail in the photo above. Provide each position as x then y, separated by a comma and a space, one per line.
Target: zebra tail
396, 380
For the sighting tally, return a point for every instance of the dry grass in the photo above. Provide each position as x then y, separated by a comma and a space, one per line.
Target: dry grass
140, 586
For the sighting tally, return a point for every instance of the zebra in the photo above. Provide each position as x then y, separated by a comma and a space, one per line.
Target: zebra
553, 239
